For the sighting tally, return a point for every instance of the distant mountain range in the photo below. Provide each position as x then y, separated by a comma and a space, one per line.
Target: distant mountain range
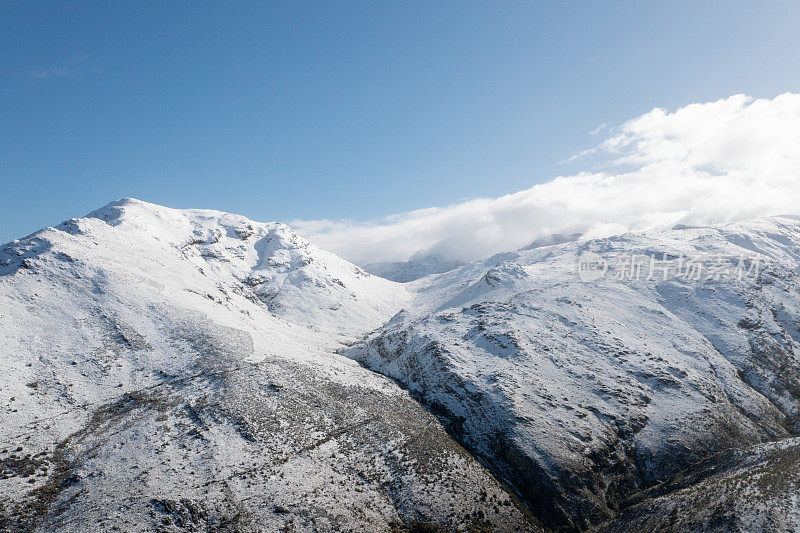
405, 271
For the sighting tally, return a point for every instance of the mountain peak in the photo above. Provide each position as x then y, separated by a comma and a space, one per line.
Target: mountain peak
267, 263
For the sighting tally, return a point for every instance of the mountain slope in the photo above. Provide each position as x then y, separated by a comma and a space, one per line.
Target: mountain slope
175, 369
178, 370
581, 394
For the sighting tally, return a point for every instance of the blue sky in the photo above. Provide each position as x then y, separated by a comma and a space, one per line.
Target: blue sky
305, 110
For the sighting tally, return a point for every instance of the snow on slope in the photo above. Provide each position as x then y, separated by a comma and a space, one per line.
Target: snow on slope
582, 393
174, 369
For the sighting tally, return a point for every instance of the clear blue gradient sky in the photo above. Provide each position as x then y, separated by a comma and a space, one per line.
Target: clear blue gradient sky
284, 110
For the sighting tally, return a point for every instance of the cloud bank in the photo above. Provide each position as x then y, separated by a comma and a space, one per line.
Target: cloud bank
733, 159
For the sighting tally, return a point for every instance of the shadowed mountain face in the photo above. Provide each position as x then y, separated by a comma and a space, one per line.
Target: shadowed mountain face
754, 489
195, 370
176, 370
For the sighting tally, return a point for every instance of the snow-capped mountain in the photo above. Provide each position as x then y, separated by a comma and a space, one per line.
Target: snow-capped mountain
583, 393
174, 370
195, 370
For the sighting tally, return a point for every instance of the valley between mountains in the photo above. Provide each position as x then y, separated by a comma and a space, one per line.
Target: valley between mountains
193, 370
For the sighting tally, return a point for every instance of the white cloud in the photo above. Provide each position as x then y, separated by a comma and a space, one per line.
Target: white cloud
598, 129
732, 159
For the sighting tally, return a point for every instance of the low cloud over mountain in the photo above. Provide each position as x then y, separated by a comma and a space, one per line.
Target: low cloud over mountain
733, 159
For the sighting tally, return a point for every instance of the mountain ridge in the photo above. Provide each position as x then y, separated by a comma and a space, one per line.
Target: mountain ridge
194, 366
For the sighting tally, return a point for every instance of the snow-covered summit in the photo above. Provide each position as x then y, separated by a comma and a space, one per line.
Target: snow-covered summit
265, 262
